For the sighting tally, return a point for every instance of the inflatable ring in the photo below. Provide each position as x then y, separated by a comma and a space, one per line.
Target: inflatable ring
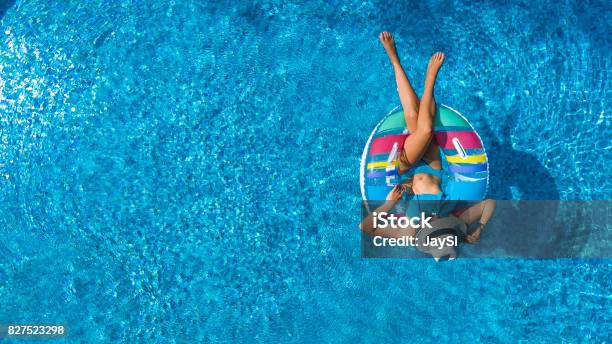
464, 160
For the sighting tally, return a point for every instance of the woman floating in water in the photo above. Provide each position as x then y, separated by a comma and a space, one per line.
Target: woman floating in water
421, 153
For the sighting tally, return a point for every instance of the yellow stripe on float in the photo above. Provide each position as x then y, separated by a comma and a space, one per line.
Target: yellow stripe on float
382, 164
472, 159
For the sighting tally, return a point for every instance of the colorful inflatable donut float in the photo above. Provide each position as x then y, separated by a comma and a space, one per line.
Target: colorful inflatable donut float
465, 168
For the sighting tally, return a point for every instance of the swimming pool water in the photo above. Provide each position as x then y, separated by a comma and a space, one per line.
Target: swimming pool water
188, 171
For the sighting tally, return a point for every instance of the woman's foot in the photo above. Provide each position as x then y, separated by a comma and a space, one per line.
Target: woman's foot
389, 44
435, 62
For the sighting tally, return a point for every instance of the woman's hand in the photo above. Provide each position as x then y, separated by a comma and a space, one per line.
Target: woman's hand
396, 193
392, 197
475, 236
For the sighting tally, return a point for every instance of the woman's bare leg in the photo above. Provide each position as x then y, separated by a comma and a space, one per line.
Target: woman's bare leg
416, 144
408, 98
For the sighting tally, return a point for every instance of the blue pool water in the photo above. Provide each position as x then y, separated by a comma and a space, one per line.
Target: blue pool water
184, 171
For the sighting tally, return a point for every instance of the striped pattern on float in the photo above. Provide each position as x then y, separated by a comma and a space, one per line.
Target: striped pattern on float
463, 156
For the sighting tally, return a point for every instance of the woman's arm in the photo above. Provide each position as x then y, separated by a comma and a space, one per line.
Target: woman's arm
367, 224
481, 212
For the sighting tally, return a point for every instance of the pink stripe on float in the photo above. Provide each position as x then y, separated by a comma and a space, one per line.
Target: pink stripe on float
384, 144
468, 139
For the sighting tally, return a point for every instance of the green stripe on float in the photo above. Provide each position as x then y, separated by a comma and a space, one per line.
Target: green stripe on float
448, 118
394, 121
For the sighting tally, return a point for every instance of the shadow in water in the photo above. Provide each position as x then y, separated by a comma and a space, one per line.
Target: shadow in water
515, 174
4, 6
530, 226
546, 229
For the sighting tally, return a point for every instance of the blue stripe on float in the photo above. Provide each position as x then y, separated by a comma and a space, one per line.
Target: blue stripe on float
455, 168
379, 174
